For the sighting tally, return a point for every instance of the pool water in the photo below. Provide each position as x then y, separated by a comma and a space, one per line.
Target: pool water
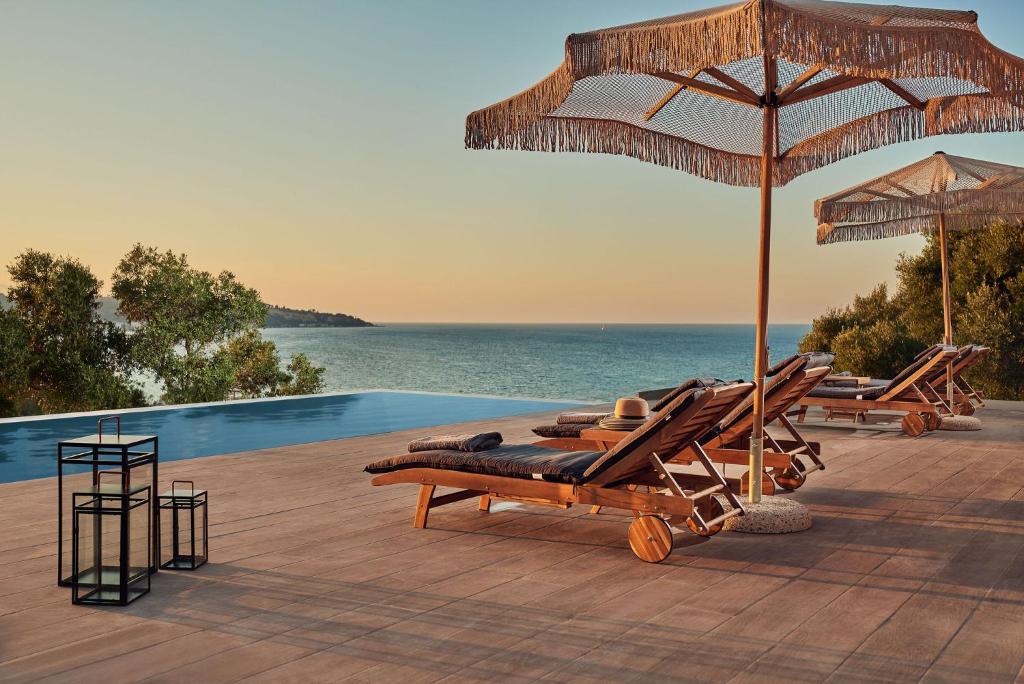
28, 448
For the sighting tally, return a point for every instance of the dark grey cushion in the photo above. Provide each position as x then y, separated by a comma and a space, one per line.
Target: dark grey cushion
833, 392
692, 383
520, 460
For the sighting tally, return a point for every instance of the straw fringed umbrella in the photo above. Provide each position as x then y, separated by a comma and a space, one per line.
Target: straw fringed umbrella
759, 92
935, 195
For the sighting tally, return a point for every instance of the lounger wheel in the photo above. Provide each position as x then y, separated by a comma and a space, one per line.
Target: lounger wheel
650, 537
932, 421
709, 508
790, 478
913, 424
767, 483
965, 408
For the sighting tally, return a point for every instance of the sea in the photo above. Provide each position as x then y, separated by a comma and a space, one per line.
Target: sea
576, 362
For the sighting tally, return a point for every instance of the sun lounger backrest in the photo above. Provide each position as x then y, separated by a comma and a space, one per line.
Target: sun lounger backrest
969, 355
740, 419
778, 398
939, 356
668, 431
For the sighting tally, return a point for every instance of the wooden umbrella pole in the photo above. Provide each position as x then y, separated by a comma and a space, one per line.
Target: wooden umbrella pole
947, 304
761, 338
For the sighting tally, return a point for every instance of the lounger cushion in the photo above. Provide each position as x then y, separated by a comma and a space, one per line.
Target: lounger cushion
833, 392
562, 431
814, 360
692, 383
519, 460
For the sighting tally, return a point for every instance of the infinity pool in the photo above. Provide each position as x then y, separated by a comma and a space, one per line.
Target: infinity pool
28, 448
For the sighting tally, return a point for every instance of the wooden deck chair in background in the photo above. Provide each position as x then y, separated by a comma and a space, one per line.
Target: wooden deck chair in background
909, 393
615, 478
729, 443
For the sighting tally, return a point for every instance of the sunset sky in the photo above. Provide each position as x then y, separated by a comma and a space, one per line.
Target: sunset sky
316, 150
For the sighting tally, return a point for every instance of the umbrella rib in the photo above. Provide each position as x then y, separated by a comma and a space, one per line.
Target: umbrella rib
663, 102
799, 81
902, 93
709, 88
728, 80
827, 87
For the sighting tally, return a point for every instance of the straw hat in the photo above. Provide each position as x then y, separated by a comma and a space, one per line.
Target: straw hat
630, 413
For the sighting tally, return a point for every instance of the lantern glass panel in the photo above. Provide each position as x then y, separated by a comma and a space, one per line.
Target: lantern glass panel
111, 545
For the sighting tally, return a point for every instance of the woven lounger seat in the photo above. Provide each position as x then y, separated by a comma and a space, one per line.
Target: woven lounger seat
517, 460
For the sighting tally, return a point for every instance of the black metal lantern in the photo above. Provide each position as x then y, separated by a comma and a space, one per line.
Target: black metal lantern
111, 544
183, 518
130, 455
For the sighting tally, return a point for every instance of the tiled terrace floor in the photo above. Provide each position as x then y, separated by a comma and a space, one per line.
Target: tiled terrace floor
914, 569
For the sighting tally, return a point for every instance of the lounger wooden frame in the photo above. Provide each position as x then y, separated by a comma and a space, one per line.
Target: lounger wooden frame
619, 485
914, 396
967, 399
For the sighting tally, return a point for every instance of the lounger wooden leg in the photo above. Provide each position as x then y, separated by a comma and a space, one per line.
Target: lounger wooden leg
594, 510
801, 415
485, 503
419, 521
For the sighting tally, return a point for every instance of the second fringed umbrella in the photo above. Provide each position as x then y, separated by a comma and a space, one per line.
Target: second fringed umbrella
759, 92
935, 195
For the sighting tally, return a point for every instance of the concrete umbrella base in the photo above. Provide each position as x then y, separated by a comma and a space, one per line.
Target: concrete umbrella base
960, 423
772, 515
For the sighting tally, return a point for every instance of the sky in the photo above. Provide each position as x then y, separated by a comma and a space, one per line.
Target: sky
316, 150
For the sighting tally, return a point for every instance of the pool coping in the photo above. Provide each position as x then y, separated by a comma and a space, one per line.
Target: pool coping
235, 402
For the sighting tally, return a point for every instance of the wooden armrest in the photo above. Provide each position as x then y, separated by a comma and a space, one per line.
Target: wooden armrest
608, 437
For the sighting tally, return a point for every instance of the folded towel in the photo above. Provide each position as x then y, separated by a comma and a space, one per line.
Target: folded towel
574, 418
467, 442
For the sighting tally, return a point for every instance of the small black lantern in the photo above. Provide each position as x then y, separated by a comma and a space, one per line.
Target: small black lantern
183, 511
111, 542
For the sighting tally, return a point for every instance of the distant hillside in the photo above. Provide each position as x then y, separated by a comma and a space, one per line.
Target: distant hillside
280, 317
277, 316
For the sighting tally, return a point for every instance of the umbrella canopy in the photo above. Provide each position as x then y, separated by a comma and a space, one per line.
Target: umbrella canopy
759, 92
970, 193
937, 194
686, 91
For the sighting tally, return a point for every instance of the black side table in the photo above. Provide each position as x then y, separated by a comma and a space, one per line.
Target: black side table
98, 452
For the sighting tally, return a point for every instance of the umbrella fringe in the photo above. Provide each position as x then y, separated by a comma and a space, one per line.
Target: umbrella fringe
704, 39
993, 202
893, 51
830, 234
557, 134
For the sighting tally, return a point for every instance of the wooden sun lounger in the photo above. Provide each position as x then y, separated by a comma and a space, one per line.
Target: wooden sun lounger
911, 393
634, 475
729, 444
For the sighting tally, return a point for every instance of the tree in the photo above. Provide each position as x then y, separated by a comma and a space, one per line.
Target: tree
15, 363
879, 335
304, 377
257, 366
74, 360
181, 318
199, 333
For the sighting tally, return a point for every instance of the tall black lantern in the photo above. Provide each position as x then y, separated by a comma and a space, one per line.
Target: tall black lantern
111, 544
183, 519
129, 455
